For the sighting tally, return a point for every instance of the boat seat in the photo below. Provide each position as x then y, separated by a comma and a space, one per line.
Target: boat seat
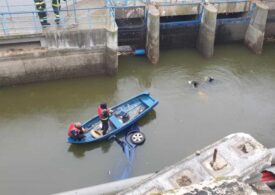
146, 102
114, 120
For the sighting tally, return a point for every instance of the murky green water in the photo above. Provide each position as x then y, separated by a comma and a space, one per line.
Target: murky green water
35, 158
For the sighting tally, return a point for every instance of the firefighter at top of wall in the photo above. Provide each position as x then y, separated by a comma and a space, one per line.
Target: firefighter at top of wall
40, 5
56, 9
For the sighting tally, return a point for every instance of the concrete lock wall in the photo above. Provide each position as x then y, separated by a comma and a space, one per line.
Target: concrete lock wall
270, 25
152, 40
65, 39
69, 54
111, 57
255, 33
226, 33
206, 39
52, 65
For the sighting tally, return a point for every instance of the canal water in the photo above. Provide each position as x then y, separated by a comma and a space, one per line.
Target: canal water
35, 158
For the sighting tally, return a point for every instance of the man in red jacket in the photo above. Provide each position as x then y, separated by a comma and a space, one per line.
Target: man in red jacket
76, 131
104, 114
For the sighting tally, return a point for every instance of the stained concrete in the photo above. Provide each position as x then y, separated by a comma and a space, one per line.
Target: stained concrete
64, 53
206, 39
152, 40
222, 187
239, 157
270, 25
65, 39
255, 33
111, 55
102, 41
51, 65
228, 33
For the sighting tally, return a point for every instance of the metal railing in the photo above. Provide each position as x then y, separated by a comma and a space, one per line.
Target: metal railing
14, 21
27, 22
13, 6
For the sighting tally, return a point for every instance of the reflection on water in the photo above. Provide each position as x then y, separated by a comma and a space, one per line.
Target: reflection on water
34, 118
80, 150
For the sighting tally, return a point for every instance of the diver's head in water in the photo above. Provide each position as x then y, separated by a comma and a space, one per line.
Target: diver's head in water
209, 79
194, 84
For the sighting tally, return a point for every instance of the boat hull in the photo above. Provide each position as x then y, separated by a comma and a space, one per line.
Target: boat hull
134, 108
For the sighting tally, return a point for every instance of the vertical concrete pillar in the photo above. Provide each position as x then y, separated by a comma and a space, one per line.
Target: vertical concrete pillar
111, 47
254, 36
206, 39
152, 39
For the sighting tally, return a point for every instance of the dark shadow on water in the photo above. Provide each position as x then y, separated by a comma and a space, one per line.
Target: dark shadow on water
79, 149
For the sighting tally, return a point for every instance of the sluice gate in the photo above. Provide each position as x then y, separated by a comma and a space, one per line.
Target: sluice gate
98, 31
131, 23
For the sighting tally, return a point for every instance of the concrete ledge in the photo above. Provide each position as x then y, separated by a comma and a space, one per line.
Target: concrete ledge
53, 65
240, 157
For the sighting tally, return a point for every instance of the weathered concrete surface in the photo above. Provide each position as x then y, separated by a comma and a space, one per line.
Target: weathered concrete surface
65, 54
50, 65
226, 33
65, 39
175, 10
239, 156
112, 49
193, 7
152, 40
222, 187
255, 33
206, 39
231, 6
270, 25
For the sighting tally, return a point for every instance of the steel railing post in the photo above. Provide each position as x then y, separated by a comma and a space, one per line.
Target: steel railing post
34, 21
74, 8
89, 19
8, 7
3, 22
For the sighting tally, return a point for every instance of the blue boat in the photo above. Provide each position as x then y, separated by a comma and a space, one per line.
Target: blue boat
124, 115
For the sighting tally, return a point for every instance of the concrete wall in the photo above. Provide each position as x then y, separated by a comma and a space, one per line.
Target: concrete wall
152, 39
226, 33
178, 10
232, 7
65, 39
64, 54
135, 12
270, 25
255, 33
51, 65
206, 38
178, 37
181, 9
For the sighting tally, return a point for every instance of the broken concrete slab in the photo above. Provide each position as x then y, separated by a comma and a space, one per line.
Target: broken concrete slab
238, 156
